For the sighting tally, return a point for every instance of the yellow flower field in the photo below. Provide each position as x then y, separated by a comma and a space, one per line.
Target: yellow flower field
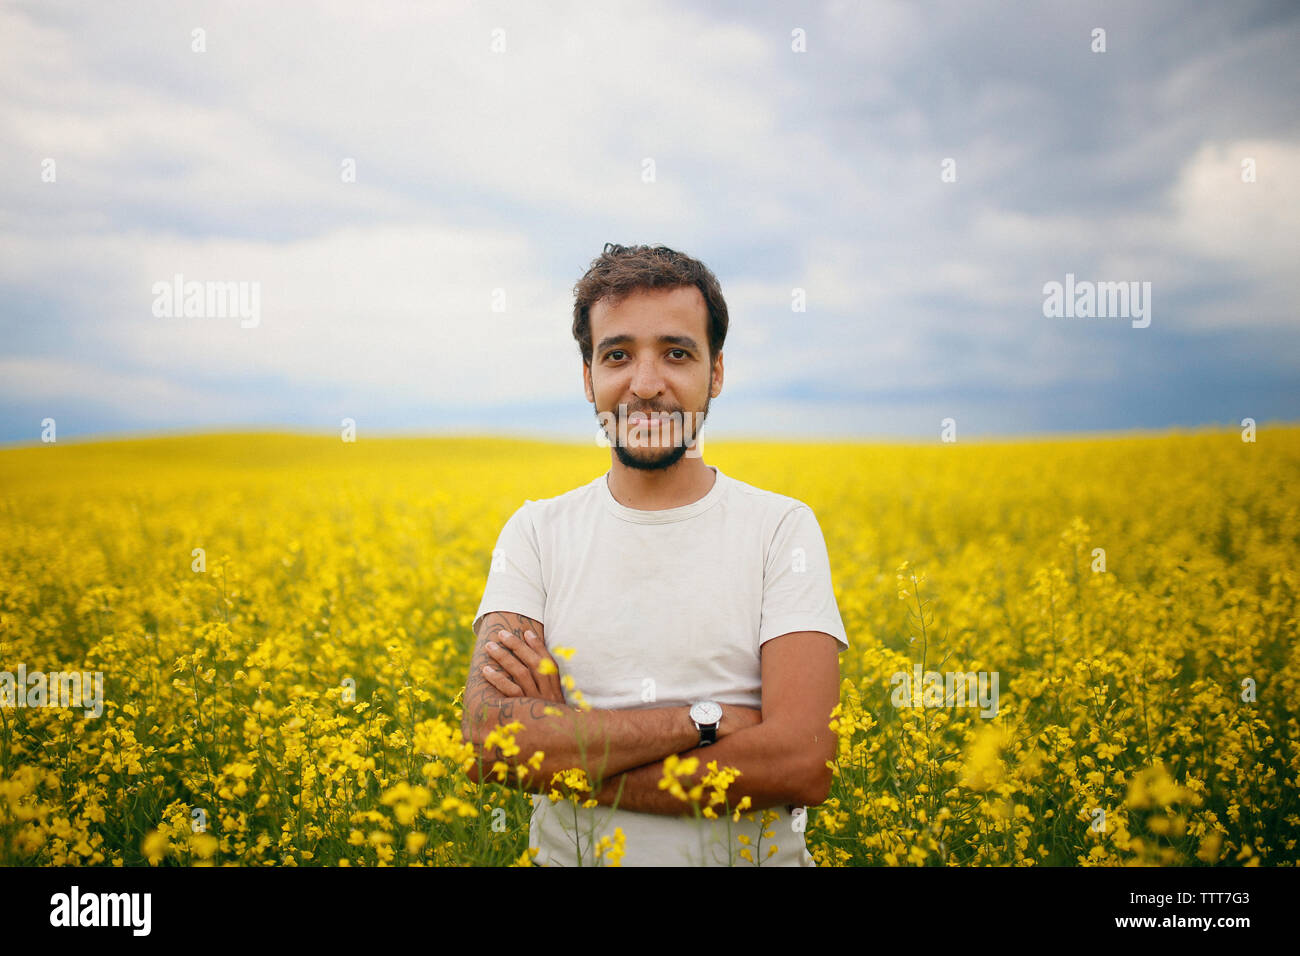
286, 695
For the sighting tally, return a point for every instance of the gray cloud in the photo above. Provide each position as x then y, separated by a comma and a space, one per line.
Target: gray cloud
480, 171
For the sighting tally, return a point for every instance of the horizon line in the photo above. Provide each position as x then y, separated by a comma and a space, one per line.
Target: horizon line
112, 437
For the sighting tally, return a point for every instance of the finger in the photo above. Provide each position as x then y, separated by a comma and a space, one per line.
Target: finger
526, 655
519, 672
548, 684
524, 650
516, 657
512, 669
532, 652
501, 682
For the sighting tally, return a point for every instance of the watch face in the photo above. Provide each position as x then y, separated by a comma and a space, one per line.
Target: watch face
706, 712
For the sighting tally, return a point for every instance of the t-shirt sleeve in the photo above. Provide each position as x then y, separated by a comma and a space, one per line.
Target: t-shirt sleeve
797, 590
514, 581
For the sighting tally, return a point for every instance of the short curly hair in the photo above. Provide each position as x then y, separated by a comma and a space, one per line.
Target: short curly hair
621, 270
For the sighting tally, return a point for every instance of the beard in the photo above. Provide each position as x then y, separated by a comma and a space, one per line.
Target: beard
657, 457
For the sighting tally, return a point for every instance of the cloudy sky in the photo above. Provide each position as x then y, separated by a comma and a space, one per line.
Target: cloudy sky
921, 170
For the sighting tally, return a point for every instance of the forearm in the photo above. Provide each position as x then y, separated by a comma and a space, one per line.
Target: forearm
777, 768
513, 680
599, 742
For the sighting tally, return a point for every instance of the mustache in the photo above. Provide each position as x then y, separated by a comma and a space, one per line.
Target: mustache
654, 411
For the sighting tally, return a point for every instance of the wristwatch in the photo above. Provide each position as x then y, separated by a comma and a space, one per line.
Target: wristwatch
707, 715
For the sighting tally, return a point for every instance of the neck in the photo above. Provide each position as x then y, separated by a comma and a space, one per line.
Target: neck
687, 481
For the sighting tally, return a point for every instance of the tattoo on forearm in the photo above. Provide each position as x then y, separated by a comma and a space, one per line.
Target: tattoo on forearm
480, 695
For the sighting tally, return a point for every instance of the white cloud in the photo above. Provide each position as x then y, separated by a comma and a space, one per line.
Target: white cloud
1252, 225
403, 310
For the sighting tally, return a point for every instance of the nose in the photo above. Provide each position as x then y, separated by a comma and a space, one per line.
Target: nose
647, 382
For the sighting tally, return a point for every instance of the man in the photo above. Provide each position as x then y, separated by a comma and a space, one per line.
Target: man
699, 609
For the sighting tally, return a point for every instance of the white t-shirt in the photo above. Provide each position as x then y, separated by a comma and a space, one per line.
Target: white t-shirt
664, 608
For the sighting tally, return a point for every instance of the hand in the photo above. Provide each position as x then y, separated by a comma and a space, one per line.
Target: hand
737, 718
519, 666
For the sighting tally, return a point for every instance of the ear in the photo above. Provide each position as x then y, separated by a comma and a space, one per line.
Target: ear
715, 387
586, 383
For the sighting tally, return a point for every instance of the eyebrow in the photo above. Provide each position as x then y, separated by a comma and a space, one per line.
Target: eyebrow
685, 341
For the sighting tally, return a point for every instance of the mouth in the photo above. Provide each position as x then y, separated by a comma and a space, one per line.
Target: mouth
650, 427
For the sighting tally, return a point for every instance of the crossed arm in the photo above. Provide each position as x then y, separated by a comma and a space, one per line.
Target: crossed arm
505, 685
783, 760
781, 751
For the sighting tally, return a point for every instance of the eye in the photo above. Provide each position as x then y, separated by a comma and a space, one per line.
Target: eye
680, 354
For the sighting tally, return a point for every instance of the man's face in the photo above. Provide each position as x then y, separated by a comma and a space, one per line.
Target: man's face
650, 353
